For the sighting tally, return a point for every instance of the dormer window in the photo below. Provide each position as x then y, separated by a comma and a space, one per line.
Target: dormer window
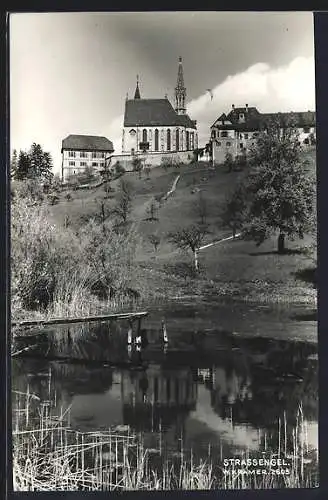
241, 117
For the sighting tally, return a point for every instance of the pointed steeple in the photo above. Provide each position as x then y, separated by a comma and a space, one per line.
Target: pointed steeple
180, 91
137, 92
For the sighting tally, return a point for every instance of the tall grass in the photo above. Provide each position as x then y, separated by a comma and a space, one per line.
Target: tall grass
58, 272
48, 455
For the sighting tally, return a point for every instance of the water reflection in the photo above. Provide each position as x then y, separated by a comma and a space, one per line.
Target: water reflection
157, 398
229, 394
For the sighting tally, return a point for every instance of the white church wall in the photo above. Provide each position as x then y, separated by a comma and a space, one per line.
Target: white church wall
131, 141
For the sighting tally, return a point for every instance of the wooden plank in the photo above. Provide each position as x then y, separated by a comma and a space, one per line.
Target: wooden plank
82, 319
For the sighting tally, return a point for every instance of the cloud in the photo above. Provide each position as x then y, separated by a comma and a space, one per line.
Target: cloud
286, 88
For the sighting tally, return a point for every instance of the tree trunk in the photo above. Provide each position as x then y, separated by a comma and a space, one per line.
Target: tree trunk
196, 259
281, 243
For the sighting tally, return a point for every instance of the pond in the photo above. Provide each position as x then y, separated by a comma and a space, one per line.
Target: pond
232, 378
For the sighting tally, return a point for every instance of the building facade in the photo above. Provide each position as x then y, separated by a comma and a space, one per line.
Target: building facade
237, 131
155, 131
80, 152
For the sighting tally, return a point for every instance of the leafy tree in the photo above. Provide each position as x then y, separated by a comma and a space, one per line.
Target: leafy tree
189, 238
278, 192
232, 214
41, 163
13, 163
23, 166
119, 169
36, 164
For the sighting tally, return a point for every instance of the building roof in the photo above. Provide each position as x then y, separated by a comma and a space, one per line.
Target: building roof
152, 113
254, 120
87, 142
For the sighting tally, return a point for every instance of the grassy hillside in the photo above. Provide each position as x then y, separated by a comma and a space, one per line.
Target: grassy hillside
235, 268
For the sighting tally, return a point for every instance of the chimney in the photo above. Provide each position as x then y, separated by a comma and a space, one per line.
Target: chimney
246, 108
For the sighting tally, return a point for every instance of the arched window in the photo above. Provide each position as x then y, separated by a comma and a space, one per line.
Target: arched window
156, 139
144, 135
187, 141
168, 140
177, 139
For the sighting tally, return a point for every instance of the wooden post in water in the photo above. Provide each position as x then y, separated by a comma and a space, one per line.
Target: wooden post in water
164, 333
130, 333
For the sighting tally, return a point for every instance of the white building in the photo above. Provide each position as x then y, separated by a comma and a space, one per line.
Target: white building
155, 131
237, 131
84, 151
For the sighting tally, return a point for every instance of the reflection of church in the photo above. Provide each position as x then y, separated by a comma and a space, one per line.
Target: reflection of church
157, 398
229, 388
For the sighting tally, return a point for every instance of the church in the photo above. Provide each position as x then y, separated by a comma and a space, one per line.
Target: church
155, 131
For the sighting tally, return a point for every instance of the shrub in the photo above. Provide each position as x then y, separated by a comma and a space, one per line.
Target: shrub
119, 169
53, 199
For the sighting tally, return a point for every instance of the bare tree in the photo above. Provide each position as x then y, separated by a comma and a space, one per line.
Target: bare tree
202, 208
137, 166
152, 210
155, 240
123, 205
147, 172
189, 238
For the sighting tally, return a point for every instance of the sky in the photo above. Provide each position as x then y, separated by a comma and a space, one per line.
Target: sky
70, 72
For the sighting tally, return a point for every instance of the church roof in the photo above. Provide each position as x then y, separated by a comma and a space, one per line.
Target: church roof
87, 142
152, 113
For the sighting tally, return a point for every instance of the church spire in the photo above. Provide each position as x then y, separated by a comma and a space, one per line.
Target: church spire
180, 92
137, 92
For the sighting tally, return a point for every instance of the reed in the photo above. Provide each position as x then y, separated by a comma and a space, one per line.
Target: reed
49, 455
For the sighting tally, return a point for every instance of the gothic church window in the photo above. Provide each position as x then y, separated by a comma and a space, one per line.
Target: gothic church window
144, 135
177, 139
156, 139
168, 140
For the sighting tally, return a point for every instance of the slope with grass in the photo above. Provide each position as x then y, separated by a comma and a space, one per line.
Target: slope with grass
233, 269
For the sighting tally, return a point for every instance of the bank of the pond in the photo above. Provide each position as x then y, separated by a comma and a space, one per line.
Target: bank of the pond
50, 455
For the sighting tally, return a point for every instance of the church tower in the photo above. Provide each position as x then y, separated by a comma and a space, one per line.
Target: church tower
180, 92
137, 92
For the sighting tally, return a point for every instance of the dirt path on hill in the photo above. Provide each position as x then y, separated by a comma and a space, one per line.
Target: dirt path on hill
218, 241
141, 211
144, 207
